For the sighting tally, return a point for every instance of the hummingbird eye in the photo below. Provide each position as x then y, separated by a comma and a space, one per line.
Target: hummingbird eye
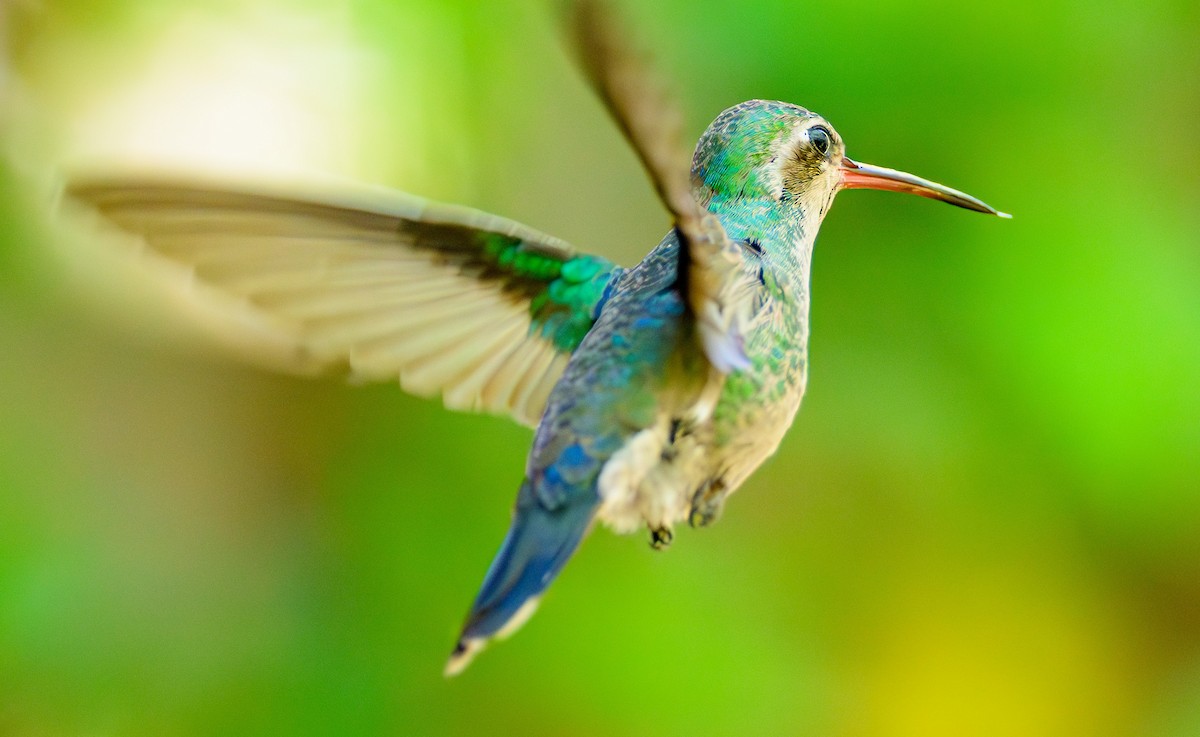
820, 138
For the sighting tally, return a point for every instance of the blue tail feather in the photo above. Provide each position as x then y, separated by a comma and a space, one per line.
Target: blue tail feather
538, 545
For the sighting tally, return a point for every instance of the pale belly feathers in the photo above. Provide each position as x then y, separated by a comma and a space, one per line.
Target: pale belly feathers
654, 479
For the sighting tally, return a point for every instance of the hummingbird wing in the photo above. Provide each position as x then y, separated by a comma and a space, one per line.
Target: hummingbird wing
480, 309
719, 292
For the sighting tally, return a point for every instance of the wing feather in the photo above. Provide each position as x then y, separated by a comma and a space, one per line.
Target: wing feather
388, 285
718, 291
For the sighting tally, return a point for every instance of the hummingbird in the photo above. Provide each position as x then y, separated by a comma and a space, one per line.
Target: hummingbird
654, 390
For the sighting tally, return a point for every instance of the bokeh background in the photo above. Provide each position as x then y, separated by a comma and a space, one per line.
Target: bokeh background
986, 520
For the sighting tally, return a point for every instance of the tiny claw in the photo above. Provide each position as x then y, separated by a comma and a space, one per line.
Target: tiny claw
661, 537
707, 504
704, 515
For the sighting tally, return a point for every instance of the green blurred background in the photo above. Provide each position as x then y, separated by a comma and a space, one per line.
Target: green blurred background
986, 520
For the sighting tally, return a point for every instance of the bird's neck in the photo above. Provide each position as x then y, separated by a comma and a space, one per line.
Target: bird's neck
781, 237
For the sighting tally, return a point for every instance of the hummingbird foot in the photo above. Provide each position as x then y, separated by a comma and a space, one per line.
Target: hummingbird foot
707, 504
661, 537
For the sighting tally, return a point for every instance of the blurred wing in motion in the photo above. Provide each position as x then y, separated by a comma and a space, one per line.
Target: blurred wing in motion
453, 301
719, 293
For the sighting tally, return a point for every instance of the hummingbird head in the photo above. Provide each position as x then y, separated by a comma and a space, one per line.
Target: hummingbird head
781, 153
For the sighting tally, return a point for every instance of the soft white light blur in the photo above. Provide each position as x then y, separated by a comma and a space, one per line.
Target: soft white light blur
270, 93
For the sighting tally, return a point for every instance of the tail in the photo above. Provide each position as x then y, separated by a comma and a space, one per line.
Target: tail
537, 546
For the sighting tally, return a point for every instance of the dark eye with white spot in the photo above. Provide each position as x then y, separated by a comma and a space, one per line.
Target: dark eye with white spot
820, 138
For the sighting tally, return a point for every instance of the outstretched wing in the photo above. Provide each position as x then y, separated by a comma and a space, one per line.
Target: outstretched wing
719, 294
453, 301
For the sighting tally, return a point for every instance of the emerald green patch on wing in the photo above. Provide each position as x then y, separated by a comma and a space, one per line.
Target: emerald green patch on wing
563, 308
566, 311
512, 255
479, 309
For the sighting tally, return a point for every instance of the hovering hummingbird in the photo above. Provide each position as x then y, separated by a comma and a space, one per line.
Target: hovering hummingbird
655, 390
